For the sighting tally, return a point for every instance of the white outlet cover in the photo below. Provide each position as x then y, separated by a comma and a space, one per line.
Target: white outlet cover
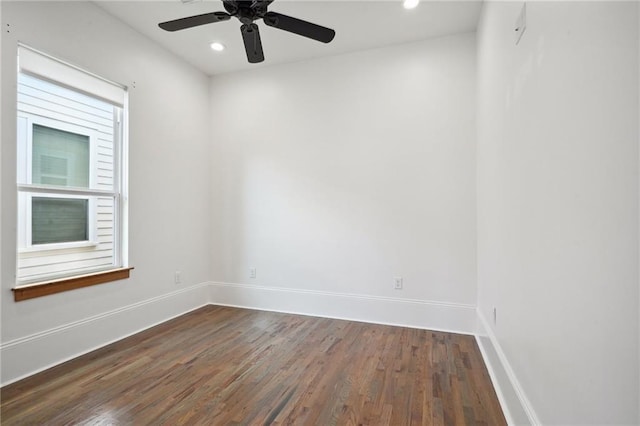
397, 283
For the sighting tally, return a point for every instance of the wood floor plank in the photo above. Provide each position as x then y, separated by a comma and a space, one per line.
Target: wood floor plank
229, 366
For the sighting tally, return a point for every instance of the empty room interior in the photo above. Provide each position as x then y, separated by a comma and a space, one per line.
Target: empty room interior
320, 212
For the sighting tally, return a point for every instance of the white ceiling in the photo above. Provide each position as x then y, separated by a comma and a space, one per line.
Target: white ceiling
359, 25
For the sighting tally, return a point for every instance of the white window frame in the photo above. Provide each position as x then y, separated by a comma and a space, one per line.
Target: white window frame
25, 156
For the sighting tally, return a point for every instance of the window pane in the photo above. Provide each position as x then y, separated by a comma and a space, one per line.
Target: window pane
60, 158
59, 220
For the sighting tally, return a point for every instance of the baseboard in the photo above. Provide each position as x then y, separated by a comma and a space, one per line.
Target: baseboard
29, 355
516, 406
450, 317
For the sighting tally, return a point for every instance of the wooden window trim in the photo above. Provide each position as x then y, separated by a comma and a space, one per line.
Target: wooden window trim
46, 288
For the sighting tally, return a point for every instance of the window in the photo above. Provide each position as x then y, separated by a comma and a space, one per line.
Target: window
58, 155
71, 167
59, 158
59, 220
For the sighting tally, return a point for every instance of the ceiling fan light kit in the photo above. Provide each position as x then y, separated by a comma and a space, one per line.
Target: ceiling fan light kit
247, 12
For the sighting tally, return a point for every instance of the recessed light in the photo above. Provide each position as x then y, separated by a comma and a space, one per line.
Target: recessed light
410, 4
218, 47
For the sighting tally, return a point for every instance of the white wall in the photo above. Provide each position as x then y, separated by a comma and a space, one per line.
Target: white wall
558, 205
338, 174
169, 180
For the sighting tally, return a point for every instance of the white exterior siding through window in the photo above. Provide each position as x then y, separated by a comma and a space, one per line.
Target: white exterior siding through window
52, 178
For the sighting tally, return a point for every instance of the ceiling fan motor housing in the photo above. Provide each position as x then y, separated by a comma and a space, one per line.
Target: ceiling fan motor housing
247, 11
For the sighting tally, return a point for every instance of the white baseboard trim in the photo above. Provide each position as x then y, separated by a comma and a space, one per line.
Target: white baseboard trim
514, 402
424, 314
31, 354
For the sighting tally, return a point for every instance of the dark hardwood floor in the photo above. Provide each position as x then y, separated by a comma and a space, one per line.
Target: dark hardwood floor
227, 366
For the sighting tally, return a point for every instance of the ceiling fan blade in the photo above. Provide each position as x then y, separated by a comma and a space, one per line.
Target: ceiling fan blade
252, 43
298, 26
194, 21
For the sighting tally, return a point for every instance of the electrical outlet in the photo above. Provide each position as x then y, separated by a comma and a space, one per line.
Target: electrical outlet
397, 283
177, 277
495, 315
252, 272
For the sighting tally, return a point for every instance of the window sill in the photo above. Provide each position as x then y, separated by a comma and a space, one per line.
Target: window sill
46, 288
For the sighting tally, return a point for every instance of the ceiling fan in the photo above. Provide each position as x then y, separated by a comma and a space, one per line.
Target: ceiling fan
249, 11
